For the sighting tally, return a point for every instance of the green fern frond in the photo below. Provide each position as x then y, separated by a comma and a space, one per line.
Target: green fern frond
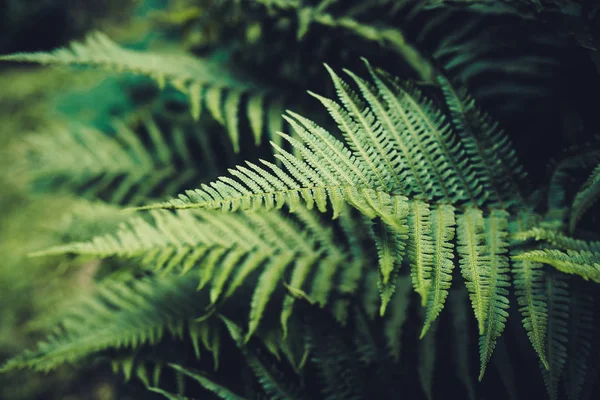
497, 241
111, 166
227, 248
219, 390
488, 148
420, 248
359, 174
474, 267
206, 83
529, 280
583, 263
119, 315
585, 198
557, 239
443, 226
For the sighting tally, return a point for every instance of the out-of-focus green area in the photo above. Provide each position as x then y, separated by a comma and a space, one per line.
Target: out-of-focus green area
31, 100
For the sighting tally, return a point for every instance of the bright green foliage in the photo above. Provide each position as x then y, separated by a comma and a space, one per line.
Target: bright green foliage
226, 249
404, 179
441, 277
408, 215
497, 304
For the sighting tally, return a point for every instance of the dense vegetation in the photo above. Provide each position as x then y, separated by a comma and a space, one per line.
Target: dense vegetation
301, 199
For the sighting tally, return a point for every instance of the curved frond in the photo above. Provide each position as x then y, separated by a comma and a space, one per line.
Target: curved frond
219, 390
207, 83
585, 198
583, 263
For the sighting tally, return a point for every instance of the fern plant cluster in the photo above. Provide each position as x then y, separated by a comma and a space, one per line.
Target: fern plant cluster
376, 237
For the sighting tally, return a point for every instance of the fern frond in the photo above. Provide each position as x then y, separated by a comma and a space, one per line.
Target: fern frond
219, 390
557, 239
487, 148
358, 174
420, 248
119, 315
227, 248
583, 263
110, 166
529, 280
206, 83
443, 225
585, 198
473, 263
497, 241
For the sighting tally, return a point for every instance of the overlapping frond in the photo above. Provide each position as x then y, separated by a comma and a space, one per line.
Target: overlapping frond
529, 279
208, 84
326, 174
488, 149
228, 248
585, 198
557, 239
121, 315
110, 166
219, 390
497, 242
583, 263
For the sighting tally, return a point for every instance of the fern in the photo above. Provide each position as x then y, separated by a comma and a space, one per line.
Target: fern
583, 263
109, 166
226, 250
120, 315
205, 82
585, 198
219, 390
319, 177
